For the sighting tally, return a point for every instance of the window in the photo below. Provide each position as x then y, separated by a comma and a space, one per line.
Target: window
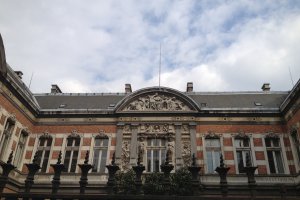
44, 148
8, 129
71, 155
274, 155
100, 153
20, 148
156, 154
295, 138
213, 151
242, 146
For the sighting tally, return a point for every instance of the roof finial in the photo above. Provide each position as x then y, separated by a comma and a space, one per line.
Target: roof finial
59, 158
10, 157
86, 159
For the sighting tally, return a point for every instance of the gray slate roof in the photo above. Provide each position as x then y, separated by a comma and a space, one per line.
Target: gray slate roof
212, 100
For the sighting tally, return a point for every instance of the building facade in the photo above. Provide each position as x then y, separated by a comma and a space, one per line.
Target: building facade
262, 125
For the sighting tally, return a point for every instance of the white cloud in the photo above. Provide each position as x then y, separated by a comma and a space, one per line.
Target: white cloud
101, 45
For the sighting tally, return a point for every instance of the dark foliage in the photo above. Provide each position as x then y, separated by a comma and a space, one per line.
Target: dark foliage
181, 182
154, 184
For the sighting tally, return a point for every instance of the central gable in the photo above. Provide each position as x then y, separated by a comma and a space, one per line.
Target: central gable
157, 100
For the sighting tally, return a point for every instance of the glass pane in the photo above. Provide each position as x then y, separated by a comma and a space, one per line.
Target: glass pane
42, 142
163, 142
39, 157
271, 162
97, 142
163, 156
217, 159
210, 168
246, 142
69, 142
279, 162
148, 160
268, 142
77, 142
149, 142
276, 143
96, 160
103, 161
237, 143
49, 142
45, 161
156, 160
240, 161
74, 161
105, 142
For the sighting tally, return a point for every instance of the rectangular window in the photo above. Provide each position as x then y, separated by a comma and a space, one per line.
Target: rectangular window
156, 154
296, 143
44, 152
6, 135
71, 155
274, 155
20, 148
213, 152
242, 146
100, 154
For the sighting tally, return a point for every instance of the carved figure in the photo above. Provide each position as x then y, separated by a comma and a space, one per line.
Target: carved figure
125, 157
186, 154
141, 150
170, 151
157, 102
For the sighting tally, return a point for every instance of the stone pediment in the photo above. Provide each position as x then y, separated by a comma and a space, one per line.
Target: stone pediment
157, 100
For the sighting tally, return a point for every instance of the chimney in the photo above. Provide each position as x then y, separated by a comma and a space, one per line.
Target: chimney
19, 74
189, 87
266, 87
55, 89
128, 88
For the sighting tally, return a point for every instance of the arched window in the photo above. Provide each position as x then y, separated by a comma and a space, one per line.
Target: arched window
44, 148
72, 152
6, 135
100, 153
20, 148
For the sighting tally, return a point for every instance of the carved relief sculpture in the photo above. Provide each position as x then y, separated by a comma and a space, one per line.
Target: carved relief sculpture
170, 150
141, 150
157, 102
186, 154
125, 157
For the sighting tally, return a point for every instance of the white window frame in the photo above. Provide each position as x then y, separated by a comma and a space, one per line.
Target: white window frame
6, 136
214, 149
244, 150
43, 149
72, 149
100, 148
161, 149
20, 148
274, 149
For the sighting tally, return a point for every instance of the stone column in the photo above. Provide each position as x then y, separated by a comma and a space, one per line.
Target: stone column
133, 144
193, 138
119, 139
178, 150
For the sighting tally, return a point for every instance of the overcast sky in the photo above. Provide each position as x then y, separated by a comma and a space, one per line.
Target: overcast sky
98, 46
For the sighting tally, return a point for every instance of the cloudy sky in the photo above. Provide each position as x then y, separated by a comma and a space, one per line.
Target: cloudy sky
98, 46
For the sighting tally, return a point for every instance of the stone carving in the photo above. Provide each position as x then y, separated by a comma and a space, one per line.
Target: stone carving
157, 102
141, 150
126, 129
170, 151
186, 154
125, 157
211, 135
241, 135
156, 128
272, 135
185, 128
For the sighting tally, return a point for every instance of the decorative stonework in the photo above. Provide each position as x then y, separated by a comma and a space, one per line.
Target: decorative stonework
125, 157
186, 153
241, 135
156, 130
46, 135
157, 102
211, 135
272, 135
170, 150
126, 129
185, 129
74, 134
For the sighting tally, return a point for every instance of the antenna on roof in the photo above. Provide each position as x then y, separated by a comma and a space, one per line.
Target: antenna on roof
159, 64
30, 80
291, 76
